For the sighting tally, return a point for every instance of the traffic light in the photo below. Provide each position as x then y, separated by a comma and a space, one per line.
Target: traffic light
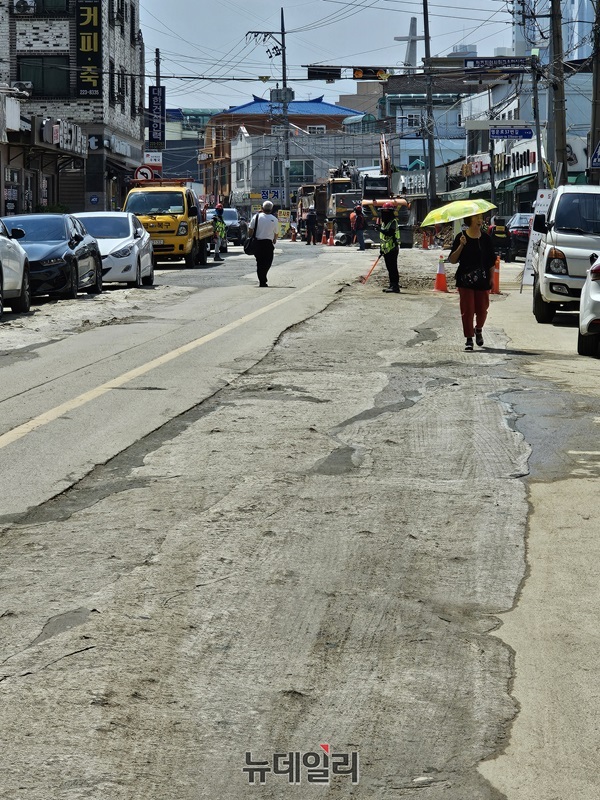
369, 73
324, 73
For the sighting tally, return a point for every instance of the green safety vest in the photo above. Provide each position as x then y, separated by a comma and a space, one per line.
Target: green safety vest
219, 227
389, 236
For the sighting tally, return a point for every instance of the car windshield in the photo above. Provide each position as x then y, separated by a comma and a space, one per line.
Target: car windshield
39, 228
155, 203
107, 227
520, 221
229, 214
578, 212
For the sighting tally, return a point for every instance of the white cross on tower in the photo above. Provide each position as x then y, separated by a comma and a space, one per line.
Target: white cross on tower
410, 60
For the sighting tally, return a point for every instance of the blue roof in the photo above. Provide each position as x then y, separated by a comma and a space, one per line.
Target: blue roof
317, 107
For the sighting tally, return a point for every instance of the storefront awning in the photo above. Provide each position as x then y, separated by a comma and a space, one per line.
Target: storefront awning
455, 194
481, 188
510, 185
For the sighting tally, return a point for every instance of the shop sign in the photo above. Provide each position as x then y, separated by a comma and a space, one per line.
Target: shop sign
64, 135
120, 146
89, 48
475, 168
157, 113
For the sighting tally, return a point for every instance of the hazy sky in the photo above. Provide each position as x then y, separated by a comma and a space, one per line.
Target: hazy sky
208, 38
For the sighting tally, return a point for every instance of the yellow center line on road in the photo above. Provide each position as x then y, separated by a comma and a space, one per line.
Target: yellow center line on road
69, 405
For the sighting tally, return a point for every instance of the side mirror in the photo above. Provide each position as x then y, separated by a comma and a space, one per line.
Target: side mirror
77, 237
17, 233
193, 211
539, 223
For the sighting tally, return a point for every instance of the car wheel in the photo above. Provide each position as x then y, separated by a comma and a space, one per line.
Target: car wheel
148, 280
135, 284
23, 303
192, 256
1, 294
543, 312
510, 256
203, 251
71, 292
588, 345
96, 287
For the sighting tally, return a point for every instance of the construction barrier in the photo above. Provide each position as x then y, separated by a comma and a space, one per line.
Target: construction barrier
496, 279
441, 283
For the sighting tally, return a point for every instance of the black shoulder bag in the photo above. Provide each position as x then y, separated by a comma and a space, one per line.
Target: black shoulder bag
250, 243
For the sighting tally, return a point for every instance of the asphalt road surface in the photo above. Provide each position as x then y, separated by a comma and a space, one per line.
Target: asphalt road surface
238, 523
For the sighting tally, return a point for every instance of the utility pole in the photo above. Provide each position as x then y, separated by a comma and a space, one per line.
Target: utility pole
286, 121
431, 187
595, 123
557, 81
536, 118
157, 65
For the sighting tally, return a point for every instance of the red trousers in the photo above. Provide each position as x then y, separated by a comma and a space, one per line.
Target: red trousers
474, 304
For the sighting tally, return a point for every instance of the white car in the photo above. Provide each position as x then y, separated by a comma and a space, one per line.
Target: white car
14, 271
588, 338
125, 246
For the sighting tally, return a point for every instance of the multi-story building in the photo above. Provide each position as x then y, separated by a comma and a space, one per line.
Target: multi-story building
81, 65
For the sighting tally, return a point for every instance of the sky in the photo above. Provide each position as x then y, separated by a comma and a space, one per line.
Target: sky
207, 39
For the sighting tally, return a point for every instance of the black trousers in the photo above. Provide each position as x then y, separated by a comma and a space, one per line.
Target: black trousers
264, 258
391, 262
311, 234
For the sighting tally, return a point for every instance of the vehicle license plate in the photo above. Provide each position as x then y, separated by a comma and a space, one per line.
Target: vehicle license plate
158, 241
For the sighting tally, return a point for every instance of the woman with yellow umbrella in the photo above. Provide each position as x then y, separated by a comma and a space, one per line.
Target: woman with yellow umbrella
473, 251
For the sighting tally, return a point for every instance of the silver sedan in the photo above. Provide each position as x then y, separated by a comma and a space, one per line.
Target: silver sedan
125, 246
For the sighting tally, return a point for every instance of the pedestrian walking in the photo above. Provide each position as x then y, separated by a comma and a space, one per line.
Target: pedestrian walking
358, 226
311, 225
473, 251
265, 226
389, 235
219, 231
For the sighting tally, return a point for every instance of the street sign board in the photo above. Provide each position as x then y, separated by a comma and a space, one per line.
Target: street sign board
595, 159
508, 64
511, 133
144, 173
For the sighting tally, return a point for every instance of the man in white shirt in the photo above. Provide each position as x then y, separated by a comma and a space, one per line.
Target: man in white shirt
267, 228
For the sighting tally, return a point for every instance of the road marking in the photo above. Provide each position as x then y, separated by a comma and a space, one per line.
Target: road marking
70, 405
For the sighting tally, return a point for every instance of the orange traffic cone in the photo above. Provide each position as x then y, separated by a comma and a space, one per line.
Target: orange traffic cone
441, 284
425, 241
331, 241
324, 237
496, 279
294, 234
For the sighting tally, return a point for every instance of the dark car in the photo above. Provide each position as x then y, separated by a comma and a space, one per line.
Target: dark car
518, 229
63, 257
499, 233
237, 227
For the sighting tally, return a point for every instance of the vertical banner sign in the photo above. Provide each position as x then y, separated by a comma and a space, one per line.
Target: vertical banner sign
157, 114
89, 48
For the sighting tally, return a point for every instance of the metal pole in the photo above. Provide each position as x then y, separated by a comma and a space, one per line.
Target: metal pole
491, 147
558, 81
595, 122
286, 122
536, 118
431, 189
157, 64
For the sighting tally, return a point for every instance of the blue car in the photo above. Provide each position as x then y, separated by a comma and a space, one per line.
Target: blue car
63, 257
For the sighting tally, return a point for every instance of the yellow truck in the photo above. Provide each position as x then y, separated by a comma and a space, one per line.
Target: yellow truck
170, 212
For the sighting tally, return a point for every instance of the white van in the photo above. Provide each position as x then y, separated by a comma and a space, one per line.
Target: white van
560, 260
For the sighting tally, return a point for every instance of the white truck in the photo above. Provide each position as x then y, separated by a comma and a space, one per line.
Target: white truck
570, 233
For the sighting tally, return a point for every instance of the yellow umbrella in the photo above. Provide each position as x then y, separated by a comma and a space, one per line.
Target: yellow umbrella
456, 210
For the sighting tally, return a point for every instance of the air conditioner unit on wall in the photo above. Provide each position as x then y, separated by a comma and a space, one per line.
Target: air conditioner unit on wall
22, 86
24, 7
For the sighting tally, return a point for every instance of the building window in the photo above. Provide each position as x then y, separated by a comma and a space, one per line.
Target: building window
42, 6
122, 88
413, 120
316, 128
239, 171
111, 11
48, 74
301, 171
132, 87
133, 31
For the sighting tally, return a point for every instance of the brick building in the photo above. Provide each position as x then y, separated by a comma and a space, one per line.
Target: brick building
81, 65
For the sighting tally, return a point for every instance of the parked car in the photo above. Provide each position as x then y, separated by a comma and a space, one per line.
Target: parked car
125, 246
588, 338
63, 257
497, 230
14, 272
570, 233
237, 227
518, 228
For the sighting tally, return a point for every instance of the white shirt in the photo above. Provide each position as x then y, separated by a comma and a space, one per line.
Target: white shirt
267, 226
